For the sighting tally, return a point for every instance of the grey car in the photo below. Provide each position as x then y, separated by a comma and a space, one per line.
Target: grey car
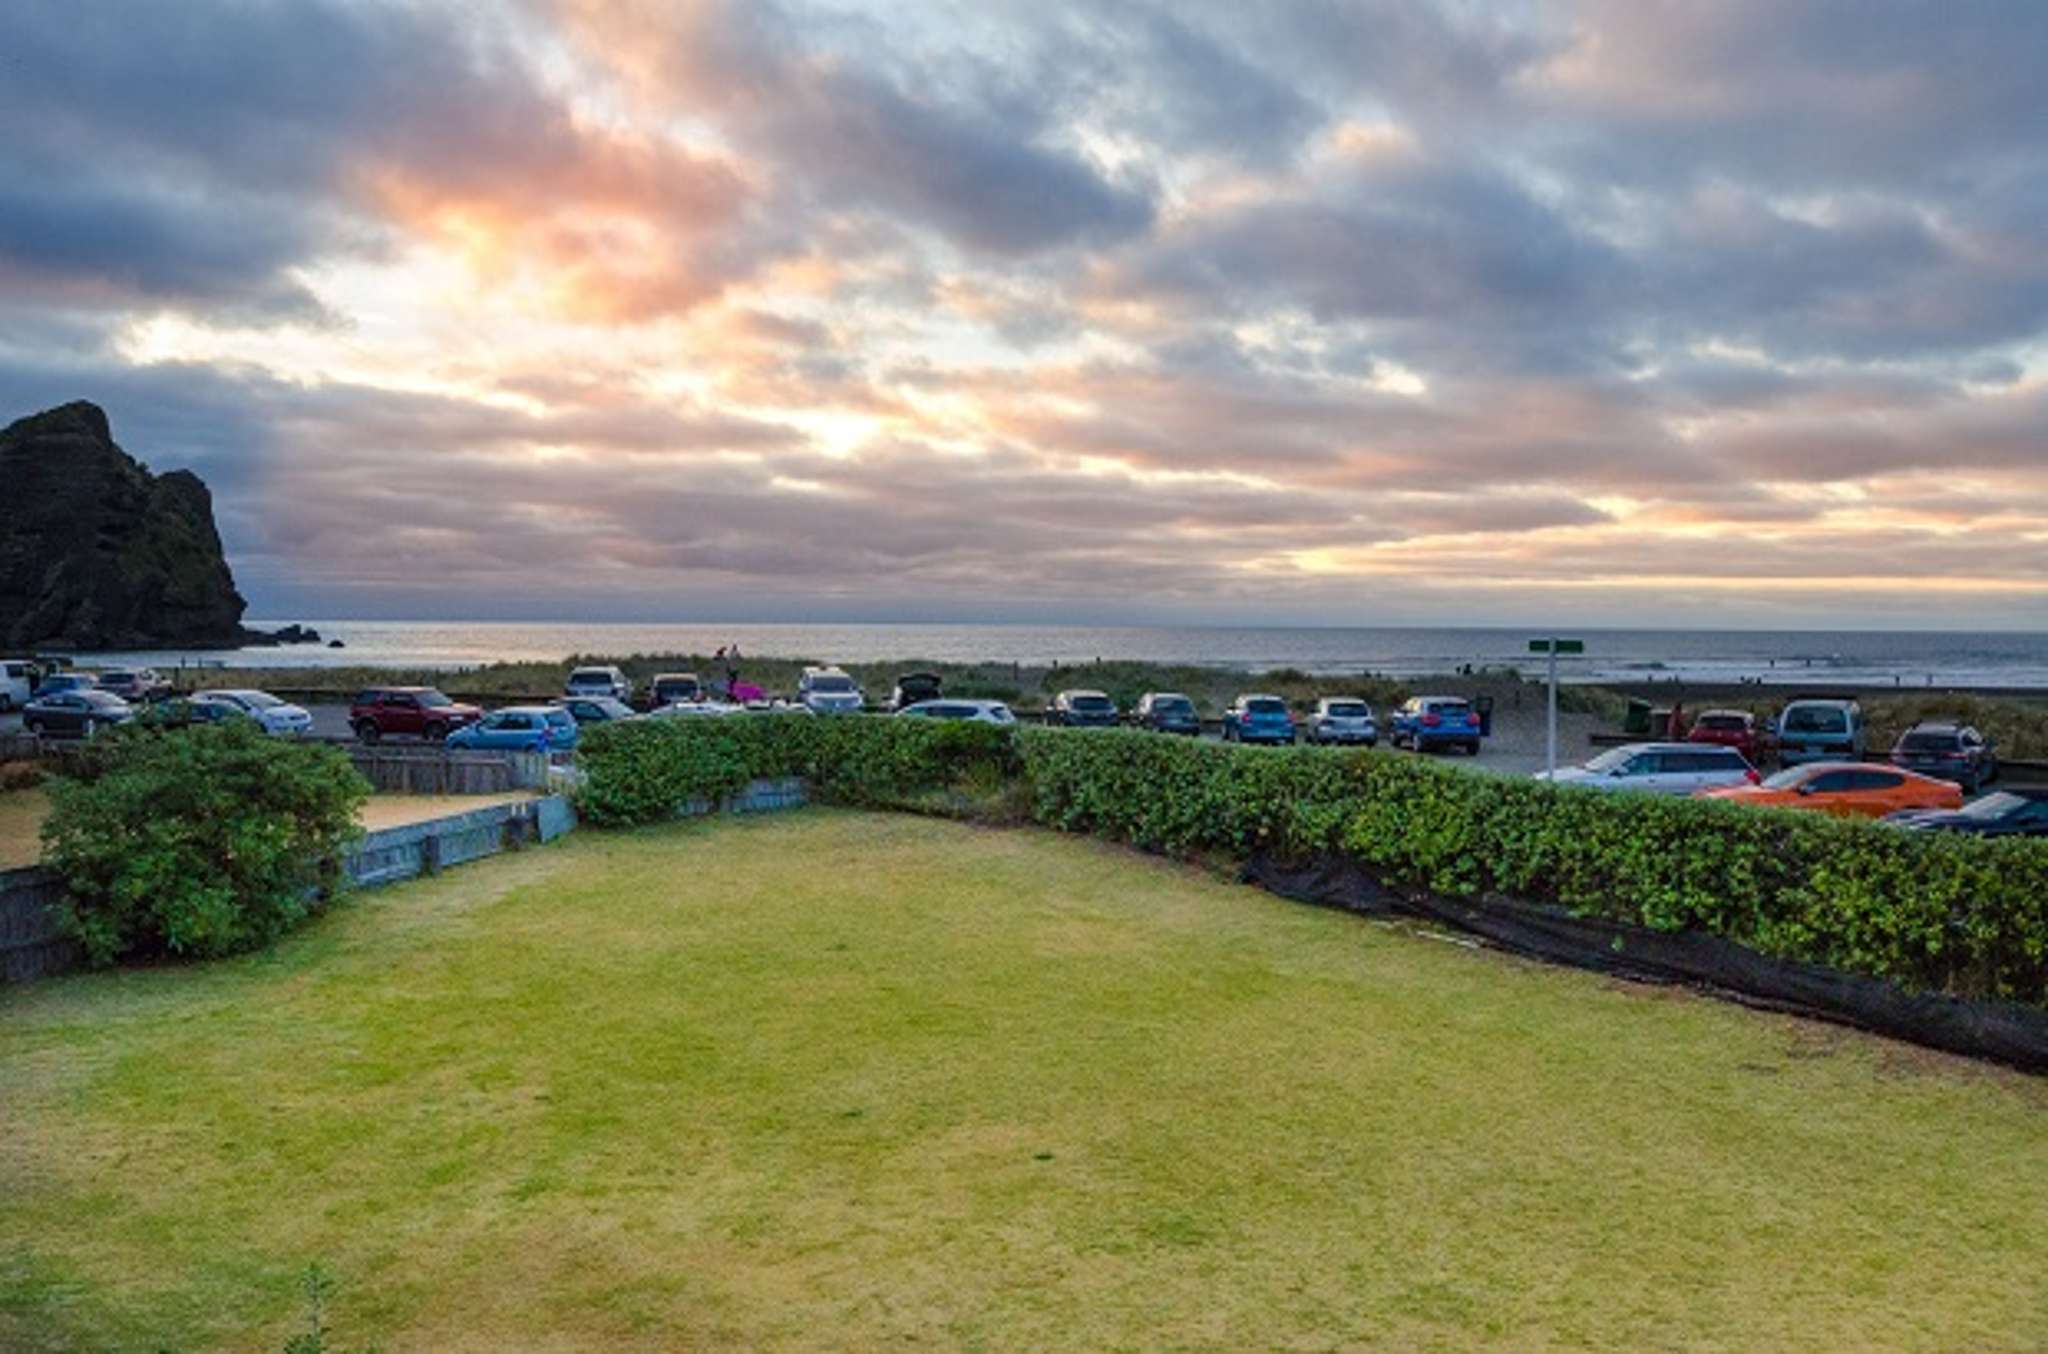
75, 714
1343, 719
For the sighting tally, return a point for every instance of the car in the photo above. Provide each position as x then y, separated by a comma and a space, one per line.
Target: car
596, 709
78, 713
1738, 729
915, 688
1081, 710
65, 681
518, 728
977, 711
134, 685
17, 684
1846, 789
2008, 813
1167, 712
1425, 722
1343, 719
1258, 718
184, 712
1947, 751
279, 717
598, 681
686, 709
421, 711
1659, 769
668, 688
829, 691
1820, 730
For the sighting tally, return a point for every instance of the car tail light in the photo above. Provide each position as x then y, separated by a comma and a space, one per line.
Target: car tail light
1430, 721
1753, 776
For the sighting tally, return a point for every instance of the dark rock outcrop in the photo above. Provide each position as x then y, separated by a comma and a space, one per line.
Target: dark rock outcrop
97, 553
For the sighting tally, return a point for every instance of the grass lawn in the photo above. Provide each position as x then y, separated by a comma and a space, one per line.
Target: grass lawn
841, 1080
22, 813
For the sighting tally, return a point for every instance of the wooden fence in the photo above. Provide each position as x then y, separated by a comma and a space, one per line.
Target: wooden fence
30, 945
433, 770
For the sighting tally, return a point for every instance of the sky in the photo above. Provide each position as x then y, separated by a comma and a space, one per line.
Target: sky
1619, 312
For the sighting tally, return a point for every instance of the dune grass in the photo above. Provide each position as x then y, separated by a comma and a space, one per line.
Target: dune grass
840, 1080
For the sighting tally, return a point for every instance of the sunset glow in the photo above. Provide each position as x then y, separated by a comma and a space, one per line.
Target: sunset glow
1334, 313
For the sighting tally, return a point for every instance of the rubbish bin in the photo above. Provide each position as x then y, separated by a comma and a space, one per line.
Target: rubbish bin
1484, 705
1637, 720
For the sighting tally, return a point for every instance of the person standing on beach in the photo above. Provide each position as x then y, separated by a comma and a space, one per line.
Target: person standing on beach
732, 668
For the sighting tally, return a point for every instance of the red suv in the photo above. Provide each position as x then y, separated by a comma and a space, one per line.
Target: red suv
417, 710
1736, 729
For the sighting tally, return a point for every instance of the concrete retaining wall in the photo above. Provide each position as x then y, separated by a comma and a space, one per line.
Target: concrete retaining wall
762, 796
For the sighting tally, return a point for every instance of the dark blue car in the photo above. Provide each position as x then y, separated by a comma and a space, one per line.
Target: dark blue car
1258, 719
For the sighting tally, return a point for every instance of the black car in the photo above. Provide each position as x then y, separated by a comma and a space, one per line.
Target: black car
1082, 710
1954, 752
2009, 813
74, 714
914, 688
1167, 712
672, 688
595, 709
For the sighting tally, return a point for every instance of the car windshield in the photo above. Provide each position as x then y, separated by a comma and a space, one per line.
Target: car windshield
832, 686
1993, 807
1816, 719
1094, 704
590, 677
1608, 761
1266, 705
259, 700
1929, 742
433, 700
1722, 723
1172, 705
1786, 779
1347, 709
1453, 708
105, 699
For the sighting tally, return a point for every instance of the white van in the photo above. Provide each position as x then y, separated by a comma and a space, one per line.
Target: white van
17, 682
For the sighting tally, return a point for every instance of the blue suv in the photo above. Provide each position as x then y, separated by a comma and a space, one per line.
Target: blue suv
1426, 722
1258, 719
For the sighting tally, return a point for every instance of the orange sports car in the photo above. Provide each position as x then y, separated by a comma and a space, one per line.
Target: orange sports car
1849, 789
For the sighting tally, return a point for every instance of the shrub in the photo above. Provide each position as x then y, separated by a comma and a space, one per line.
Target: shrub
647, 770
201, 841
20, 776
1927, 911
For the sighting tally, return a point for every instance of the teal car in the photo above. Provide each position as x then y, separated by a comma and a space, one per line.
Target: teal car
519, 728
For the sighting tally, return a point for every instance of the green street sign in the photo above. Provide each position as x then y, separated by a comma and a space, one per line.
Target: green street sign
1561, 645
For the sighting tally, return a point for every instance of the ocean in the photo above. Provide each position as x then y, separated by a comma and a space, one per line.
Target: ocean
1814, 658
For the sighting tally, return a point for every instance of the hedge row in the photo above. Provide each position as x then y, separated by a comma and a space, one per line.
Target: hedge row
1931, 912
642, 770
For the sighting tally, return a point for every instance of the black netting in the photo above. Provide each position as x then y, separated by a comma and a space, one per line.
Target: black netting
2007, 1033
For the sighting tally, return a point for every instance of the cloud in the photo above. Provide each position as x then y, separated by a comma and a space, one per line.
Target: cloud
1221, 310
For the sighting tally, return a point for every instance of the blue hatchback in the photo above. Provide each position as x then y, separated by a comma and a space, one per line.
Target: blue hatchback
1258, 719
519, 728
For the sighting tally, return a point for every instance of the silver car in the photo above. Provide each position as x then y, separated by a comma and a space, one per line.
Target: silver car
1659, 769
1343, 719
829, 691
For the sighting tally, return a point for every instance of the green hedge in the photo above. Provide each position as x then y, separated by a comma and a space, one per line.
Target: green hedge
1932, 912
645, 770
201, 842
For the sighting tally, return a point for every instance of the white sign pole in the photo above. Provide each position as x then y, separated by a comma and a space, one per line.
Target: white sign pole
1550, 741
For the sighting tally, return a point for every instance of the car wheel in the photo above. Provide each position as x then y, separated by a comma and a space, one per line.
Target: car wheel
367, 730
34, 726
435, 733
